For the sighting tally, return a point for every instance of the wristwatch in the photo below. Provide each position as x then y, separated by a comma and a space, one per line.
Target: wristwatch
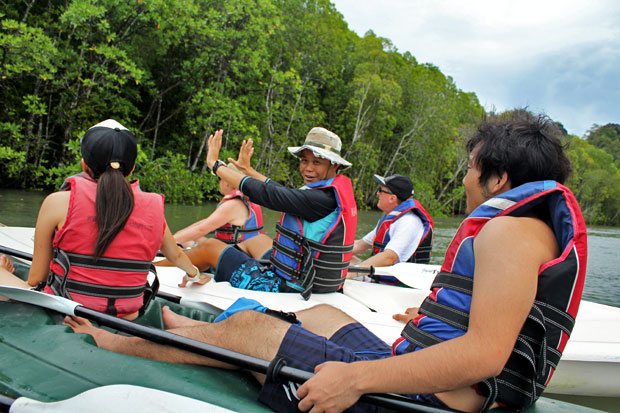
216, 165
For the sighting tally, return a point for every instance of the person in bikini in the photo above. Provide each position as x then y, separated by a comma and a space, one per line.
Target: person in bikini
470, 345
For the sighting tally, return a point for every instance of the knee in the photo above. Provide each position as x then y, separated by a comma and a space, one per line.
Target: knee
246, 317
324, 319
206, 243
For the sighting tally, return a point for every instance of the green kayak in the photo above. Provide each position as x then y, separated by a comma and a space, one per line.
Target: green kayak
45, 361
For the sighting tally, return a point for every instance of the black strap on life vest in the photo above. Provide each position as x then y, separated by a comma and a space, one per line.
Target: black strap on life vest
305, 274
61, 285
379, 245
422, 254
236, 230
523, 378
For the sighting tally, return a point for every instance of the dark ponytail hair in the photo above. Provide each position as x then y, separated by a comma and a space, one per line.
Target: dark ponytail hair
113, 205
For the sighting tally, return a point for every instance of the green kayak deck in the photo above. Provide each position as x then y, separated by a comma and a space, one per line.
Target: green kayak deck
46, 361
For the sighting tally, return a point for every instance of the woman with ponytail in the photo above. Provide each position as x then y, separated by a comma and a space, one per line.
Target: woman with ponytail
96, 239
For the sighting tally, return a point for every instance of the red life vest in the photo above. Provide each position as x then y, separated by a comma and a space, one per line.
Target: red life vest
233, 234
422, 253
124, 266
319, 264
537, 351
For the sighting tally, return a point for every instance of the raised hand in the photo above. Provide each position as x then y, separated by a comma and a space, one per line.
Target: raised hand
215, 144
245, 155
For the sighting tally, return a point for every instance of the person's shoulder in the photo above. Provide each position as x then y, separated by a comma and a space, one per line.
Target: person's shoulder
56, 204
514, 232
60, 196
525, 224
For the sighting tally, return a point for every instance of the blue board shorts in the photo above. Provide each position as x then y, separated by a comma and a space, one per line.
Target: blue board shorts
243, 271
304, 350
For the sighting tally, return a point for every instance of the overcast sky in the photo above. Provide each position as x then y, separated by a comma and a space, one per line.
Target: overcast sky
561, 57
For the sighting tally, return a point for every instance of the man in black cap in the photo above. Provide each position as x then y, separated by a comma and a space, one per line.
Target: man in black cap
404, 231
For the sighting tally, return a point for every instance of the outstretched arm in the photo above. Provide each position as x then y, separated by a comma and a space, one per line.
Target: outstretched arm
385, 258
176, 256
508, 252
232, 212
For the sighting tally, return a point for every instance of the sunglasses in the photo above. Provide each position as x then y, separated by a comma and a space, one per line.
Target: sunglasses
384, 191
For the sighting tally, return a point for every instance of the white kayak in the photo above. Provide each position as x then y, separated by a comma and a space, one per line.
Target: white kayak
120, 398
589, 366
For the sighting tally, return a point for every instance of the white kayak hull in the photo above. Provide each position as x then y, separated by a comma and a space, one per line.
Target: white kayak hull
590, 364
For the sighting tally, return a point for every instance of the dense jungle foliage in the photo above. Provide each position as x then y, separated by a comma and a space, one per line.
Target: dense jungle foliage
175, 70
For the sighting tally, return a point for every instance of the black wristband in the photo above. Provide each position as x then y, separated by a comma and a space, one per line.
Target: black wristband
216, 165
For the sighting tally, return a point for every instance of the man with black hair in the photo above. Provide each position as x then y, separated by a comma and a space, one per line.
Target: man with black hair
489, 334
404, 232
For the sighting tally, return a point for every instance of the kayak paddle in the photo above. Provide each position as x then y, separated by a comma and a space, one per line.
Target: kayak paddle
418, 276
275, 368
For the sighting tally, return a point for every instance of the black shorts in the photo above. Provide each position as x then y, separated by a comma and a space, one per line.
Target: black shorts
304, 350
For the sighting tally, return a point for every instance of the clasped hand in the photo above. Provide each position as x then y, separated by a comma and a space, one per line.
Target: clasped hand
331, 389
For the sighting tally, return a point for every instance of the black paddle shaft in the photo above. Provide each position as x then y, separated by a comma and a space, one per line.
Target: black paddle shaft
15, 253
275, 368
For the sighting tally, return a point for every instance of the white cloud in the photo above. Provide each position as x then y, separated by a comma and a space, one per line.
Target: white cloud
557, 56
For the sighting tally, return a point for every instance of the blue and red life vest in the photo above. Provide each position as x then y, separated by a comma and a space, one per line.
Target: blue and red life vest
314, 256
233, 234
422, 254
444, 314
116, 283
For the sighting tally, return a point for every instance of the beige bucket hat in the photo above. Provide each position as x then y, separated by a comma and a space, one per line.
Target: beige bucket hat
324, 144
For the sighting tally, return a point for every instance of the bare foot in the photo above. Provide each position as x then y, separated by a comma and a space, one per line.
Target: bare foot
5, 263
174, 320
80, 325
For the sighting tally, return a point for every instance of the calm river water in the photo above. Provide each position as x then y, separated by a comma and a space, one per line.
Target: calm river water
20, 208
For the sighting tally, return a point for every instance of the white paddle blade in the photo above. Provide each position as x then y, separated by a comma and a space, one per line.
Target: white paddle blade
119, 398
40, 299
418, 276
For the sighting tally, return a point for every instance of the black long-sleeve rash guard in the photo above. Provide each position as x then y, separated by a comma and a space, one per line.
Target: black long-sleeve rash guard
308, 204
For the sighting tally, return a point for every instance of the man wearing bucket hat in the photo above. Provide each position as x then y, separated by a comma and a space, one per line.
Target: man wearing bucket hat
315, 235
404, 232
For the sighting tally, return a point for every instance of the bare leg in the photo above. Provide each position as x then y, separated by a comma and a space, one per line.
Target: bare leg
256, 246
204, 255
247, 332
323, 319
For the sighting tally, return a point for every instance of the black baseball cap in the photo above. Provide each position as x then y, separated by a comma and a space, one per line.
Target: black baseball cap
109, 144
400, 185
